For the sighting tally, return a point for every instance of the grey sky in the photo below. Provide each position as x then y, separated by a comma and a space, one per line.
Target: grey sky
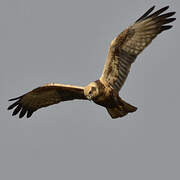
66, 42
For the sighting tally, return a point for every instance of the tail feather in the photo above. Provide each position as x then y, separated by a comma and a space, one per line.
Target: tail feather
121, 109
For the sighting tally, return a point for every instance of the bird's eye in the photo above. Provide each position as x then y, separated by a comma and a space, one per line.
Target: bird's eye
90, 92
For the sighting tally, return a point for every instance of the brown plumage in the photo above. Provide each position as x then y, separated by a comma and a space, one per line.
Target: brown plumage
121, 54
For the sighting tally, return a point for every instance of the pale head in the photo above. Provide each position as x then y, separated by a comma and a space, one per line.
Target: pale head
91, 90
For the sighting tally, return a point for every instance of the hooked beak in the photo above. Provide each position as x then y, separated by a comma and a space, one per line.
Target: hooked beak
89, 97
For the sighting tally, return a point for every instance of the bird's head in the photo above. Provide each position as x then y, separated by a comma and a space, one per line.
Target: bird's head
91, 91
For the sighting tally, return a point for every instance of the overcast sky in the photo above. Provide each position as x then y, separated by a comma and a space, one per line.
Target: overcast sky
64, 41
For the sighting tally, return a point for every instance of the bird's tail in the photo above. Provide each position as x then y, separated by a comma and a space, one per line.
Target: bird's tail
122, 109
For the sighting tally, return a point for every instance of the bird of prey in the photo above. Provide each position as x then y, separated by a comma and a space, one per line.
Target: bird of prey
122, 53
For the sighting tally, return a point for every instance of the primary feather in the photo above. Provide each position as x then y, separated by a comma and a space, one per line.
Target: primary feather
130, 43
45, 96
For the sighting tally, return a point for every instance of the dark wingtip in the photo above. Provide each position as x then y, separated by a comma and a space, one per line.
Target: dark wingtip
174, 12
166, 7
13, 99
160, 11
17, 109
163, 9
13, 105
163, 28
151, 9
22, 113
171, 20
146, 13
29, 113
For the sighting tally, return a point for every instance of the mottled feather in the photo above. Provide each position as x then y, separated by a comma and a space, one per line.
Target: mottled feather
130, 43
45, 96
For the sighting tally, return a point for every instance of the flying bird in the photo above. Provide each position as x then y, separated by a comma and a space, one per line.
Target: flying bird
122, 53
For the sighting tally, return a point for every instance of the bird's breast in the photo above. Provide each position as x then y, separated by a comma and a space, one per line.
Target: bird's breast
106, 96
105, 101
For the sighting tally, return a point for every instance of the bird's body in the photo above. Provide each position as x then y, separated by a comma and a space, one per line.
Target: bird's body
107, 97
122, 53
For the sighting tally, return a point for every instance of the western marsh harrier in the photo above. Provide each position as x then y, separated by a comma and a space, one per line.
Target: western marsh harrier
122, 53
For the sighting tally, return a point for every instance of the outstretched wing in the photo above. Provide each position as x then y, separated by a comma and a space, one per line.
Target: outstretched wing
131, 42
45, 96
